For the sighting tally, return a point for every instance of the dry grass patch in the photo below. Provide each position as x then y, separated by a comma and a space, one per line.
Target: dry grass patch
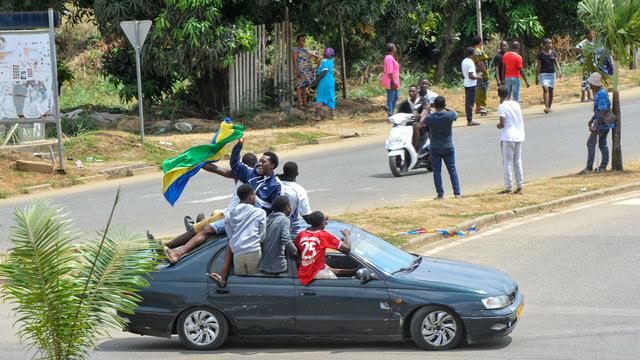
387, 222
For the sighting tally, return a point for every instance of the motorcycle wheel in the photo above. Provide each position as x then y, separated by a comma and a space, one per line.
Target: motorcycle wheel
397, 166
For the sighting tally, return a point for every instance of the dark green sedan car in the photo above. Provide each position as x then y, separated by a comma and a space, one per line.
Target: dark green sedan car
394, 295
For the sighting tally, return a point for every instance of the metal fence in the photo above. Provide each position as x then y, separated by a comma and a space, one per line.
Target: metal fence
251, 69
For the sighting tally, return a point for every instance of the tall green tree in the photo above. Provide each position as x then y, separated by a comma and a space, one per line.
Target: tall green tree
617, 25
66, 293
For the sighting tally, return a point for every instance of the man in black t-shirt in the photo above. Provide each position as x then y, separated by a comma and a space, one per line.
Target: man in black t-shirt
497, 63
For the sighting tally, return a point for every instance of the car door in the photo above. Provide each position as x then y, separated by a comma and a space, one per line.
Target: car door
256, 304
343, 306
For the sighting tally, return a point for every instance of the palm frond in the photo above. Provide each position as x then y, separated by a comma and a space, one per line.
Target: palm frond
38, 285
65, 294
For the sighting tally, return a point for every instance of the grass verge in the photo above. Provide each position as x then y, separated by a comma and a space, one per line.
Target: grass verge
387, 222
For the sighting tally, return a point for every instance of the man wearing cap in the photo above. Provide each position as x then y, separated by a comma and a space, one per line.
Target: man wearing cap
599, 125
298, 198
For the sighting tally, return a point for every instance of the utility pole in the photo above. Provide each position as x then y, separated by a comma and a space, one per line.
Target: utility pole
479, 18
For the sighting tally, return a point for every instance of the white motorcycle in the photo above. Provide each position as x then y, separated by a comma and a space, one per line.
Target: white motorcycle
402, 155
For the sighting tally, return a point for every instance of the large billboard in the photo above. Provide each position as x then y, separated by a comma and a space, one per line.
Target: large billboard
25, 75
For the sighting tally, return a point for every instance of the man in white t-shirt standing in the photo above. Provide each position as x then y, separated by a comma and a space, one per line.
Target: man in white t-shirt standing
511, 140
470, 81
298, 198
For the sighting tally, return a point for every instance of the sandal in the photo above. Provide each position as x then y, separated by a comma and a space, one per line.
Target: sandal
170, 257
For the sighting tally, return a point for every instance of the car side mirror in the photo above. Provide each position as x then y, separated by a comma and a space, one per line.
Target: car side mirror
365, 275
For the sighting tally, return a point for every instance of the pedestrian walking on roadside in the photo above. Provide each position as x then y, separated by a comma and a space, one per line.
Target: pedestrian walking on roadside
546, 72
585, 90
498, 66
390, 80
303, 62
326, 81
440, 123
513, 70
511, 139
470, 81
480, 59
602, 121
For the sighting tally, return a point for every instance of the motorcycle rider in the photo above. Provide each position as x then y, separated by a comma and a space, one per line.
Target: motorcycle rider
419, 107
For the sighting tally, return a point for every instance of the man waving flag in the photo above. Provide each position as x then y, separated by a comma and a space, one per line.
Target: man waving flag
178, 170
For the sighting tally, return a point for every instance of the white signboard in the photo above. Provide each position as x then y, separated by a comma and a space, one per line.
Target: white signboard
25, 75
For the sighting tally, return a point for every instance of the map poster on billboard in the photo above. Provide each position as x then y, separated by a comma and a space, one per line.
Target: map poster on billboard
25, 76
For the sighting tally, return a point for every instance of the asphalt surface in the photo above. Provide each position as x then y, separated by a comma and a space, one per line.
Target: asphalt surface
348, 176
577, 269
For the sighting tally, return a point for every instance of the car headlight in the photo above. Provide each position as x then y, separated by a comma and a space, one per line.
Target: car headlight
496, 302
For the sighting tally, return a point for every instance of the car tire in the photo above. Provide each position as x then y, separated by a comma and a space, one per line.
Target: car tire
436, 328
202, 328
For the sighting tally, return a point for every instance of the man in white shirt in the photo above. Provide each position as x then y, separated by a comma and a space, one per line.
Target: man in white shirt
470, 81
511, 139
298, 198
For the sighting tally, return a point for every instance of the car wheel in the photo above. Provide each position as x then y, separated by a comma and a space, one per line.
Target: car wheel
202, 328
436, 328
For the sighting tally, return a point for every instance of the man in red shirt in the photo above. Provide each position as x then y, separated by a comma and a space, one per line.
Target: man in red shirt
311, 244
513, 70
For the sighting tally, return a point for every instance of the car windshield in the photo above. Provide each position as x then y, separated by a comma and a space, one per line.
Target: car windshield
378, 252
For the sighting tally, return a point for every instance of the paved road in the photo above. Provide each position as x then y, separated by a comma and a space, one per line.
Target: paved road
577, 268
348, 179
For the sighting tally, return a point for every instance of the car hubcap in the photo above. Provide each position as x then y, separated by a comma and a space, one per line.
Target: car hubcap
439, 328
201, 327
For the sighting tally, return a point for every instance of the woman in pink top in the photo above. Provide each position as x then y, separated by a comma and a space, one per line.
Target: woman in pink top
391, 78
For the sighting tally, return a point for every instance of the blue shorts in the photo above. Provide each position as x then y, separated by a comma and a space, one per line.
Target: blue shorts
547, 79
218, 226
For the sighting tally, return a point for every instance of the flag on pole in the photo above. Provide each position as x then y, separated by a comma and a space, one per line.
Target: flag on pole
178, 170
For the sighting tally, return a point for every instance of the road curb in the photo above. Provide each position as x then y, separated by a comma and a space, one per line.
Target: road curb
508, 215
36, 188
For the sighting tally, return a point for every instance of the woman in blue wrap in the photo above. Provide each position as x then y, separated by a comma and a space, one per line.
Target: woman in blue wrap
326, 90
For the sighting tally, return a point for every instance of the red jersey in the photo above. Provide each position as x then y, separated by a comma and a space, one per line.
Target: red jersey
311, 246
512, 63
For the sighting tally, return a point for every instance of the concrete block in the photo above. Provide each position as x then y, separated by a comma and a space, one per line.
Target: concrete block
504, 216
142, 170
326, 139
281, 147
122, 171
37, 188
486, 220
529, 210
34, 166
92, 178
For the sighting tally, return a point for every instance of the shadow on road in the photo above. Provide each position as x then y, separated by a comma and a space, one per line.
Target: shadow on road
389, 175
241, 347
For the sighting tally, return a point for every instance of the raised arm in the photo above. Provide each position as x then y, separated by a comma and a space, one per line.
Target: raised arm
213, 168
240, 171
345, 245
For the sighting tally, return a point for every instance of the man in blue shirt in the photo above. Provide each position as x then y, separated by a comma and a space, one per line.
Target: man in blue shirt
440, 123
599, 125
264, 182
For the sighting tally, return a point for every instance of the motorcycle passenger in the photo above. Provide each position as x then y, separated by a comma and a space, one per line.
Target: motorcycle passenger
419, 107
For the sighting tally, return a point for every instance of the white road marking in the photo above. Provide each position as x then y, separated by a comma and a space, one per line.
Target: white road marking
211, 199
149, 196
316, 190
449, 243
635, 202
